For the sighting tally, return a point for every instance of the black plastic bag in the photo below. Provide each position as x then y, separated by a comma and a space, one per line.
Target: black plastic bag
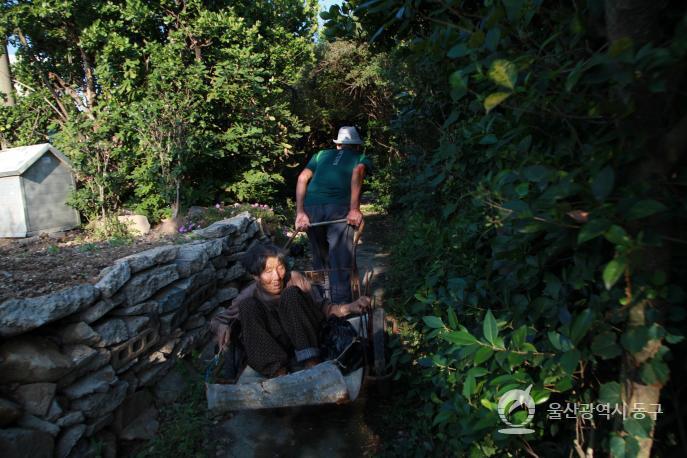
340, 342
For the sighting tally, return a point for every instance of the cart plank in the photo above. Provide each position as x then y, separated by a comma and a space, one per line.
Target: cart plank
322, 384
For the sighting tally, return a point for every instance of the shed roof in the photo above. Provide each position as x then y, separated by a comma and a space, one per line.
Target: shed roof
15, 161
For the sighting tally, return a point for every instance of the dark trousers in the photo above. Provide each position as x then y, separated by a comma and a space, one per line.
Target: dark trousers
332, 248
273, 336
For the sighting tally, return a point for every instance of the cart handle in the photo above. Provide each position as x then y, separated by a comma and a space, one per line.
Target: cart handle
321, 223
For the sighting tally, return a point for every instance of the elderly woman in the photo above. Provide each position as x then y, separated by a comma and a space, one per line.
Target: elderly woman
282, 314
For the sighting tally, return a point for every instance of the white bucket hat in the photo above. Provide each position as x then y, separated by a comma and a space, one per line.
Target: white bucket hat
348, 135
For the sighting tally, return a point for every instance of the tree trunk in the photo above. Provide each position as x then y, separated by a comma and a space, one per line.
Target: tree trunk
638, 21
6, 87
90, 79
64, 114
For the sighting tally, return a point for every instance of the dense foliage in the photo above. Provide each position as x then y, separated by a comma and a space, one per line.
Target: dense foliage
532, 153
162, 102
541, 206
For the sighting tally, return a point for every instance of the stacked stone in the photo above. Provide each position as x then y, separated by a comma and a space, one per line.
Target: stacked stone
82, 362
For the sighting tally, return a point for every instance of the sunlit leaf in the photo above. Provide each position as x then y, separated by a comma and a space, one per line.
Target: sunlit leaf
493, 100
504, 73
613, 271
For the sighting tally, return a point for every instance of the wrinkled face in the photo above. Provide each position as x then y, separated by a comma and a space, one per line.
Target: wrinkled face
271, 279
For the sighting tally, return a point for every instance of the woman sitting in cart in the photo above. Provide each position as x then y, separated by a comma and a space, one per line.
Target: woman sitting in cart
282, 314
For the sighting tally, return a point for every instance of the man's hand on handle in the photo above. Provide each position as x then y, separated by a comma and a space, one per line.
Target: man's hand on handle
354, 217
302, 221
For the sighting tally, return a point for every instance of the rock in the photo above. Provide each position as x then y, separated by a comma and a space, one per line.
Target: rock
168, 347
80, 355
112, 278
149, 258
29, 360
192, 302
145, 284
173, 296
76, 333
136, 224
98, 382
236, 256
127, 366
234, 272
195, 211
209, 305
144, 308
213, 248
170, 298
100, 308
144, 426
9, 412
36, 397
240, 239
23, 443
191, 340
170, 387
194, 321
202, 278
130, 378
20, 315
112, 331
54, 412
136, 324
98, 424
230, 248
98, 404
31, 422
173, 320
101, 358
70, 419
191, 259
224, 296
68, 440
133, 406
150, 360
153, 374
220, 262
218, 229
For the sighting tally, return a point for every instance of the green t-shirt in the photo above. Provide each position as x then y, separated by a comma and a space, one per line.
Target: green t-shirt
331, 180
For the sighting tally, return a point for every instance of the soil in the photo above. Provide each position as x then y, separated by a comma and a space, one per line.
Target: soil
48, 263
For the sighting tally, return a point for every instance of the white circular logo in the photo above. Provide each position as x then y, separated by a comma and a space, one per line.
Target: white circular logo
512, 400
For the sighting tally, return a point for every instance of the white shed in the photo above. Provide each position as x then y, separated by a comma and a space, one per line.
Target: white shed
35, 182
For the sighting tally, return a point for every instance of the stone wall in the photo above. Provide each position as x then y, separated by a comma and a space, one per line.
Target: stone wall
93, 361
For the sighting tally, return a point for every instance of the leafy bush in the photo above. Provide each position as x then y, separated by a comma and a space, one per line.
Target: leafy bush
536, 216
113, 230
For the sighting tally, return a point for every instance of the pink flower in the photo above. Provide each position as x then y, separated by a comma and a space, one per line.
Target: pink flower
217, 205
182, 229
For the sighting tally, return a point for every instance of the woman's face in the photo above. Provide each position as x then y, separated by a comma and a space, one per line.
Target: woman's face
272, 277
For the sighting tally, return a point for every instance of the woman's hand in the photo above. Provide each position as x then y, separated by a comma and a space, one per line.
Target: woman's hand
360, 305
302, 221
223, 336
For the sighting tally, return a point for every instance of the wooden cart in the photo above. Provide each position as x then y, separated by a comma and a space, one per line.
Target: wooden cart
232, 385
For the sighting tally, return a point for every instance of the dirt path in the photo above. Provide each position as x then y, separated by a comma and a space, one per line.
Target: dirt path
331, 431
